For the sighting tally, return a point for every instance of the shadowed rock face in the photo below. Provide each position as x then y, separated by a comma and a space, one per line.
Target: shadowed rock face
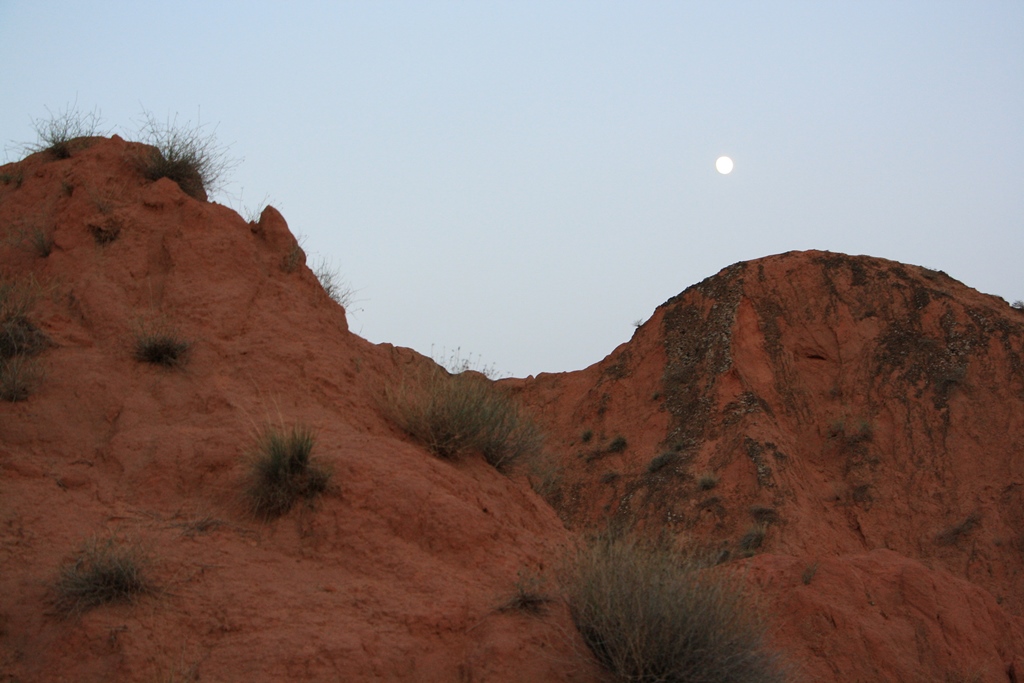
846, 432
856, 414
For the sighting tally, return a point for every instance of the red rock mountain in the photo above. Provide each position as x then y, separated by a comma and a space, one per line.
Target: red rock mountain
847, 432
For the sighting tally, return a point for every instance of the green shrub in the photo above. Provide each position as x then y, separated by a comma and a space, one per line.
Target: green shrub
283, 471
105, 571
650, 613
57, 133
187, 154
455, 414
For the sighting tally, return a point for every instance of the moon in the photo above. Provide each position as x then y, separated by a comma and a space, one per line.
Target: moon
724, 165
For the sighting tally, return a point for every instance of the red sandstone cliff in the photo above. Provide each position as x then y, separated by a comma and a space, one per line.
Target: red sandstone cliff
847, 431
863, 424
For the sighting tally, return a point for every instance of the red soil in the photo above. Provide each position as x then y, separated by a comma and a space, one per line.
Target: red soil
868, 415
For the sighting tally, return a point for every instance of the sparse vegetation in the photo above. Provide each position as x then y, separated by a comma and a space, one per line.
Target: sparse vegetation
587, 436
660, 462
764, 515
754, 538
283, 471
530, 596
334, 285
185, 153
20, 340
617, 445
1018, 304
545, 476
105, 571
455, 414
953, 534
650, 613
15, 176
106, 232
295, 257
456, 364
57, 132
39, 241
707, 481
161, 344
19, 376
808, 574
851, 431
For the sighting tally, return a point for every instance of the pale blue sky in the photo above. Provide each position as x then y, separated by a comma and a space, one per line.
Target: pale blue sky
525, 179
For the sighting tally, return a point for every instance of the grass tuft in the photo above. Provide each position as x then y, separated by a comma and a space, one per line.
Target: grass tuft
707, 481
650, 613
105, 571
455, 414
186, 154
19, 376
161, 344
283, 471
20, 340
57, 133
953, 534
530, 596
660, 462
335, 286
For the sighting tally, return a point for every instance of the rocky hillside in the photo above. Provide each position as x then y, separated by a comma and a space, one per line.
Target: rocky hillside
845, 432
854, 424
396, 573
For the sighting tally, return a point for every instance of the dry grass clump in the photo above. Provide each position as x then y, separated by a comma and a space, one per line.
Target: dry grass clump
455, 414
160, 343
651, 613
187, 154
530, 596
20, 339
105, 571
335, 286
283, 471
707, 481
57, 133
953, 534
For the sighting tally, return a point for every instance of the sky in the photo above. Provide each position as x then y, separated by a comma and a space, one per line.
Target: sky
521, 182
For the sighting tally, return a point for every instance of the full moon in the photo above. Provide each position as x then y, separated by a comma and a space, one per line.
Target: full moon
724, 165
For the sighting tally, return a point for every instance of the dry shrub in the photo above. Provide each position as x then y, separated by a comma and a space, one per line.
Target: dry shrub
651, 613
283, 471
185, 153
20, 339
159, 343
456, 414
530, 596
57, 133
19, 376
105, 571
